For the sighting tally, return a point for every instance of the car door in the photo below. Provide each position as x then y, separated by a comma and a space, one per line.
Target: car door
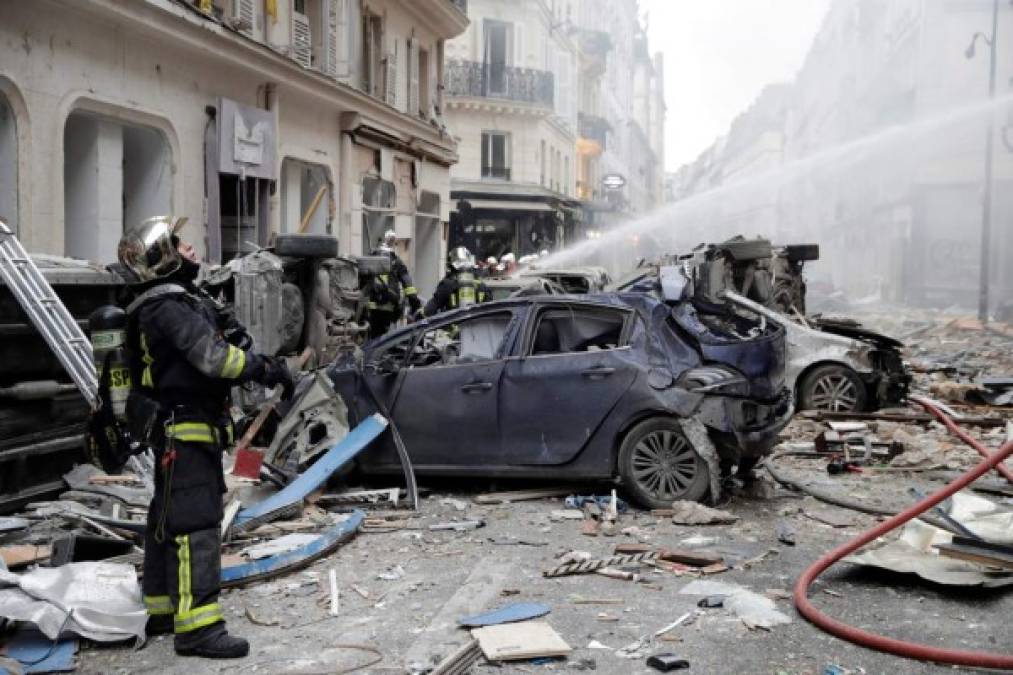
447, 404
574, 367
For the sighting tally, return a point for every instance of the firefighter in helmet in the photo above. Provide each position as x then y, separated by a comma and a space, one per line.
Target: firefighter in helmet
459, 288
389, 292
184, 358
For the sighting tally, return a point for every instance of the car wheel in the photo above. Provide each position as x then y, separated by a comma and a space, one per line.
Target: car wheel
658, 465
834, 388
306, 245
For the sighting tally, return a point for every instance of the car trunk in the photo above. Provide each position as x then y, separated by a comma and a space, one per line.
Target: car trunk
754, 348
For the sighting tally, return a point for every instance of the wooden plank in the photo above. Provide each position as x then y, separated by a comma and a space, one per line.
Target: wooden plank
523, 495
691, 558
21, 555
913, 418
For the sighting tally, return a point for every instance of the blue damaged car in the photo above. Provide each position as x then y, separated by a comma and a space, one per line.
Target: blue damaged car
657, 395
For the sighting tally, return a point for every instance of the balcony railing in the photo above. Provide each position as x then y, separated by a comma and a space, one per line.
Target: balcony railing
594, 128
461, 5
489, 80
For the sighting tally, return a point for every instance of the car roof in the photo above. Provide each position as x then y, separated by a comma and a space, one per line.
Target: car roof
600, 300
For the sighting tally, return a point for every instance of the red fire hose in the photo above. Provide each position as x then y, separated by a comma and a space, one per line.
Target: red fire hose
882, 643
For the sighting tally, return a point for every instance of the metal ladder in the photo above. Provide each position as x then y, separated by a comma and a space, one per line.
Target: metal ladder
48, 314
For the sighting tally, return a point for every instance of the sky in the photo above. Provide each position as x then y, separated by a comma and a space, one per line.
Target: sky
719, 54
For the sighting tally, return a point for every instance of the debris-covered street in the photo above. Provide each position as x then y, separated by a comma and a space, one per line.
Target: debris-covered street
467, 337
401, 585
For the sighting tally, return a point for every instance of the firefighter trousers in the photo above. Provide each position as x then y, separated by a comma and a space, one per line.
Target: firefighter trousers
182, 544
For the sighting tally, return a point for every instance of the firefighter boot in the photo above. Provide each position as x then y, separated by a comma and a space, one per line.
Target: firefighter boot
212, 642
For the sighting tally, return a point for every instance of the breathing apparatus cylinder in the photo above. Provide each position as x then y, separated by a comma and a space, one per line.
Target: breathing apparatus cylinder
108, 328
467, 294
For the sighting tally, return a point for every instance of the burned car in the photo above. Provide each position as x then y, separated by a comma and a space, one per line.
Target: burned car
517, 287
573, 280
624, 386
832, 364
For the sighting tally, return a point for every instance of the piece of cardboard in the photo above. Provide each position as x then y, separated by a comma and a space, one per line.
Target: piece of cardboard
520, 641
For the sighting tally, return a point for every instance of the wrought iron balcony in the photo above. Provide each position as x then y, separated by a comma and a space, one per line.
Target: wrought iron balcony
461, 5
496, 81
594, 128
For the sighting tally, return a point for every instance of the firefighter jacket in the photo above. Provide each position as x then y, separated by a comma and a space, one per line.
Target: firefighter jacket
178, 354
390, 291
457, 291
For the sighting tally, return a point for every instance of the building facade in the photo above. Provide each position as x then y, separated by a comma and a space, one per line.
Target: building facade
558, 111
249, 117
877, 151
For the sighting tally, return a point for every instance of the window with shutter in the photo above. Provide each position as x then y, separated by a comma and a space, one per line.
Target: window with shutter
302, 39
373, 66
245, 18
413, 77
391, 76
331, 10
344, 39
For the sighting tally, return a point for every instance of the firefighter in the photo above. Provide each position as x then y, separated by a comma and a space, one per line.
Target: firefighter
459, 288
182, 369
389, 292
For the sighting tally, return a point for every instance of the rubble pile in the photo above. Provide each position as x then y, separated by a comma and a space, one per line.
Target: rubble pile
554, 577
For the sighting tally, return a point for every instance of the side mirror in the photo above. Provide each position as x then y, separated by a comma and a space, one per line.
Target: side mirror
388, 364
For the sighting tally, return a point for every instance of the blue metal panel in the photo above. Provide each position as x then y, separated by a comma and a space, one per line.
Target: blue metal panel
293, 494
279, 563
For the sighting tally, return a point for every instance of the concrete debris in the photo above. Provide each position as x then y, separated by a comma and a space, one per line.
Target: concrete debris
456, 504
694, 513
755, 610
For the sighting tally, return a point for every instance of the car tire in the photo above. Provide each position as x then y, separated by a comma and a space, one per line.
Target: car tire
834, 388
652, 481
306, 245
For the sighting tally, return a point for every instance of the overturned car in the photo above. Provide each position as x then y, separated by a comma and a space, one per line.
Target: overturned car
619, 385
832, 364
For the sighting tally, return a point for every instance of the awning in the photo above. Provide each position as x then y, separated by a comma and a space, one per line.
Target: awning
505, 205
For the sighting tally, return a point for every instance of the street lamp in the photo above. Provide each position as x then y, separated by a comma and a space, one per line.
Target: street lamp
986, 209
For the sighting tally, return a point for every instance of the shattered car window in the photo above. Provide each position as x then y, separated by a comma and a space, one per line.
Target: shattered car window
468, 341
565, 331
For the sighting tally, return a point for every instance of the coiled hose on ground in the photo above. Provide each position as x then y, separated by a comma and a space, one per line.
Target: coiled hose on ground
882, 643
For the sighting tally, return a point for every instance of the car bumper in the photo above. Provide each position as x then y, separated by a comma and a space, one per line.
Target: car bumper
746, 428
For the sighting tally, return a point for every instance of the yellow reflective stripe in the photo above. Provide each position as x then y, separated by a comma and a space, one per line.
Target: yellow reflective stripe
196, 432
411, 290
183, 554
234, 363
200, 617
158, 604
146, 379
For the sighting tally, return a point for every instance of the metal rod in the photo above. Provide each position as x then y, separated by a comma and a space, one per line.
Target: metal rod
986, 211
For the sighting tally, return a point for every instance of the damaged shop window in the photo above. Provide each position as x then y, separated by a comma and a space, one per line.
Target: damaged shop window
378, 207
472, 340
567, 331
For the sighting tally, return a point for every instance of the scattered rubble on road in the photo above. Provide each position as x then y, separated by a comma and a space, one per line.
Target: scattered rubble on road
306, 574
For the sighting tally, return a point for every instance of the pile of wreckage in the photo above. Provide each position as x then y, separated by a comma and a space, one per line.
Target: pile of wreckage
70, 556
